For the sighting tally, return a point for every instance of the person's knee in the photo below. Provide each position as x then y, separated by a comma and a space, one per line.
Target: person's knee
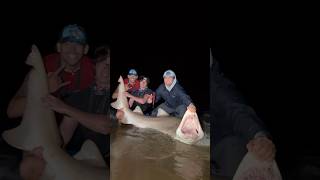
181, 110
154, 112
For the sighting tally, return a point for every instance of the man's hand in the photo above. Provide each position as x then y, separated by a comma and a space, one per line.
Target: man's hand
263, 148
54, 81
126, 87
56, 104
149, 98
32, 164
119, 114
127, 94
131, 101
192, 108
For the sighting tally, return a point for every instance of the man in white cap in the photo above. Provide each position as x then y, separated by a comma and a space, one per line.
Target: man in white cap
176, 100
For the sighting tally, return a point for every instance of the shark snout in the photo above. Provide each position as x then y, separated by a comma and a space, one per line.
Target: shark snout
189, 128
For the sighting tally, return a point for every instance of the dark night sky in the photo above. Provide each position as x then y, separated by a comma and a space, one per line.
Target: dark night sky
41, 28
271, 62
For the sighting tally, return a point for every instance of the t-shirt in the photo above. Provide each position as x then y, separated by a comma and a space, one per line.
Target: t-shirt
79, 80
140, 93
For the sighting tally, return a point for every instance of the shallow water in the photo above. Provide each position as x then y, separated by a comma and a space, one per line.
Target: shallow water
144, 154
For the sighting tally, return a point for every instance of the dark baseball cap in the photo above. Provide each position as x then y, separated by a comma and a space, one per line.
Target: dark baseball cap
133, 72
73, 33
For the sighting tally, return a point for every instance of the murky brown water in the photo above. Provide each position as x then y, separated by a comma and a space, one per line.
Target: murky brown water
144, 154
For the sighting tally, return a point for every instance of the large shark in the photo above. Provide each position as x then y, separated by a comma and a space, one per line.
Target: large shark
188, 130
39, 128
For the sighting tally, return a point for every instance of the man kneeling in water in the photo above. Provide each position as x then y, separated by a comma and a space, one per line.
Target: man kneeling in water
176, 100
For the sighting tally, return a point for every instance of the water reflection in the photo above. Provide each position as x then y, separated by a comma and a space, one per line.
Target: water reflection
144, 154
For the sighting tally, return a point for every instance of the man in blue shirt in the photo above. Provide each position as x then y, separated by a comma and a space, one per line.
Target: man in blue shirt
176, 100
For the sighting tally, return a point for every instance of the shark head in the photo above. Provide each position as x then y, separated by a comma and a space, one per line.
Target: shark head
189, 130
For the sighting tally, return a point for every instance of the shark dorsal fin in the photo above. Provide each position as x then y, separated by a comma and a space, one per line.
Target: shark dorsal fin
90, 153
161, 112
138, 110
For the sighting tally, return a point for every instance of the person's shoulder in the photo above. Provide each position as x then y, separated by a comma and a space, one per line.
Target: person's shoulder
178, 87
161, 87
87, 61
148, 91
137, 84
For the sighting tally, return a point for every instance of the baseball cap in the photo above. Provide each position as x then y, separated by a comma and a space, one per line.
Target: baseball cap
73, 33
133, 72
169, 73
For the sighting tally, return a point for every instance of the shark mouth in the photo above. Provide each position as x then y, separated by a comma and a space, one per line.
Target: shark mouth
189, 127
189, 130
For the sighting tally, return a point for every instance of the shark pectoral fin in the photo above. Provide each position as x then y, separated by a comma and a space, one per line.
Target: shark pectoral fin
90, 153
138, 110
161, 112
115, 104
14, 137
251, 167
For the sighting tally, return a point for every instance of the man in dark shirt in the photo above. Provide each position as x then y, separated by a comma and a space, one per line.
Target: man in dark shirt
236, 128
142, 97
